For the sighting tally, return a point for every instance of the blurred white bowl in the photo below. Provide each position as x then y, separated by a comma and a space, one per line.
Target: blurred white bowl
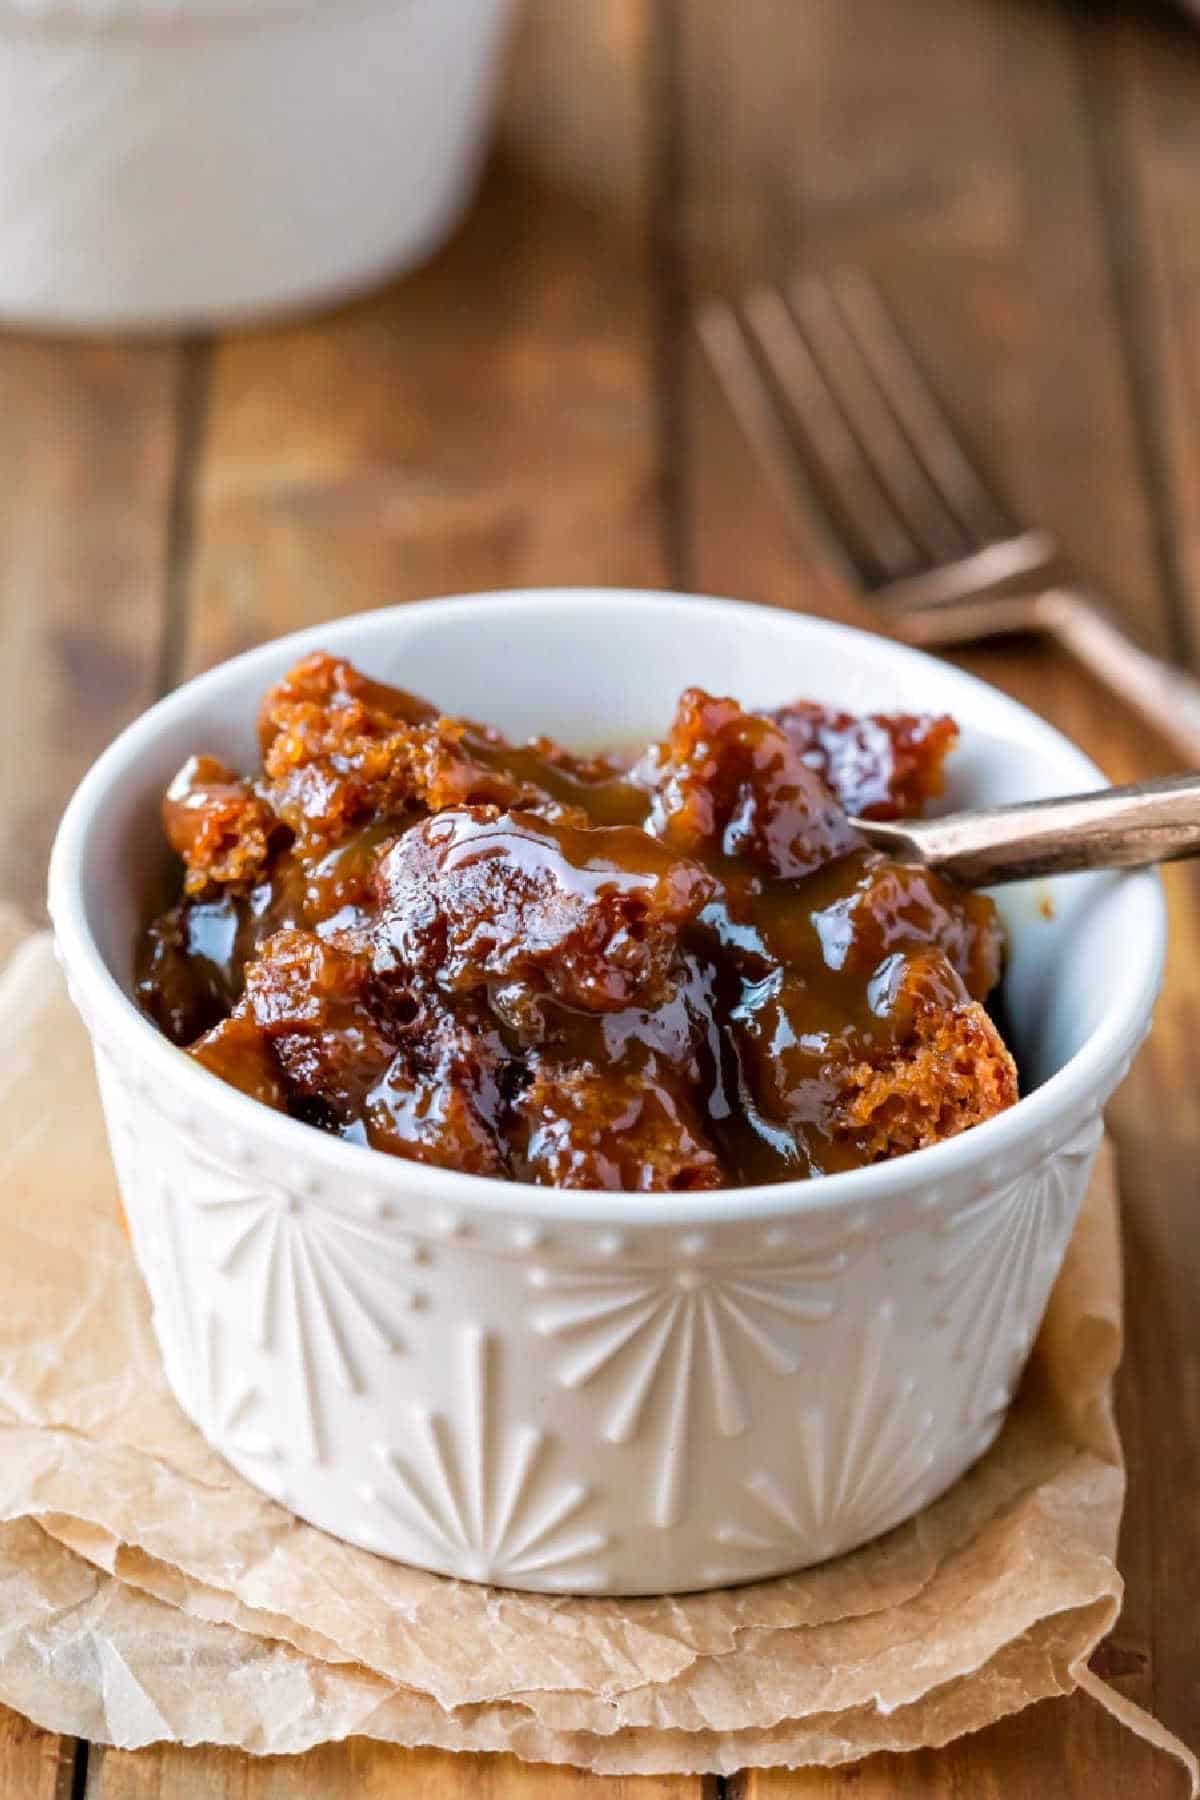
618, 1393
172, 163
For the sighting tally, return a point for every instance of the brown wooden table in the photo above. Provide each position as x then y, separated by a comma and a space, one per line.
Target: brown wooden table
530, 409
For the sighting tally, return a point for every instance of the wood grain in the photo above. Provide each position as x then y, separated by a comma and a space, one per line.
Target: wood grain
576, 111
356, 462
1144, 74
86, 459
361, 1770
34, 1764
489, 422
1056, 1748
980, 218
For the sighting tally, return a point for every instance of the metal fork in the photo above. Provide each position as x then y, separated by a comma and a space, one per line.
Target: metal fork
856, 443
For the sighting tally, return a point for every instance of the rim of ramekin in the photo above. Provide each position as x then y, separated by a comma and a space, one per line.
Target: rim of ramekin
1036, 1123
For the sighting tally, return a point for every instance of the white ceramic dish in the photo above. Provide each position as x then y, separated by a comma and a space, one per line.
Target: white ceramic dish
588, 1392
165, 164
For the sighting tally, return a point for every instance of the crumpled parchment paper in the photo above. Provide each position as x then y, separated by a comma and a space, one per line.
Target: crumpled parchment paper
150, 1593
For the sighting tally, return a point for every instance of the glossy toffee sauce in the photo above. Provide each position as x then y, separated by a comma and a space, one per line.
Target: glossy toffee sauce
513, 961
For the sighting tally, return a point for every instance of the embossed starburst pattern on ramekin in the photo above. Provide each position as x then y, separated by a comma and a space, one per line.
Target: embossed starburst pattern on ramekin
853, 1463
322, 1290
479, 1495
229, 1404
997, 1262
665, 1343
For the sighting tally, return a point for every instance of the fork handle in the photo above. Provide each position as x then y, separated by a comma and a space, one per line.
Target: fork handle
1113, 828
1166, 697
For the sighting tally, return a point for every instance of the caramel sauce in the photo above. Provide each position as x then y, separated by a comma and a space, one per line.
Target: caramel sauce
507, 959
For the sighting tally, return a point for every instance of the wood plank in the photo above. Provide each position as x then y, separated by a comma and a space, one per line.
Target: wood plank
968, 226
86, 460
488, 422
361, 1770
34, 1764
983, 218
354, 462
575, 111
1145, 82
1143, 76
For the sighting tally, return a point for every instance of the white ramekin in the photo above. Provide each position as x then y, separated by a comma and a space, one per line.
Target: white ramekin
593, 1392
171, 163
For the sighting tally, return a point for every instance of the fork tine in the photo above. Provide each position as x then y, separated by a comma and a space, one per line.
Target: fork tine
816, 418
745, 388
915, 404
812, 454
866, 405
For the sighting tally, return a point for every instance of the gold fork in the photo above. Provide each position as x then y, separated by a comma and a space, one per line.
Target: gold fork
854, 441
